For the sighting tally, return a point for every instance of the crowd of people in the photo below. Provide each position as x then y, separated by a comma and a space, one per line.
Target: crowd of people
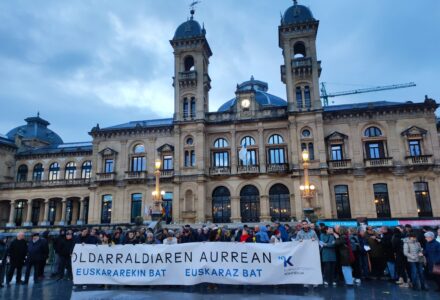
401, 254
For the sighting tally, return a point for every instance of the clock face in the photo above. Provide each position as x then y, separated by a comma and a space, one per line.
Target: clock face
245, 103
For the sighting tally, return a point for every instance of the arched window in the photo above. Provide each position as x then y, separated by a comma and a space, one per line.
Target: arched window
381, 200
189, 63
189, 141
106, 209
38, 172
138, 159
299, 50
306, 133
276, 139
22, 173
221, 143
279, 202
136, 206
276, 154
190, 158
247, 141
86, 169
250, 204
52, 211
70, 170
69, 211
372, 132
54, 171
221, 205
342, 202
139, 148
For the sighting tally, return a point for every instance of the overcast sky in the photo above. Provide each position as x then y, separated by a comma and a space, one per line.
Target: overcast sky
109, 62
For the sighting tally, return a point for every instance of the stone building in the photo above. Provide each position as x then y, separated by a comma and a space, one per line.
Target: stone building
242, 163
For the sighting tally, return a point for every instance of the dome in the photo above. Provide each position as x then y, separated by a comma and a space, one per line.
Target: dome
36, 129
297, 14
189, 29
261, 95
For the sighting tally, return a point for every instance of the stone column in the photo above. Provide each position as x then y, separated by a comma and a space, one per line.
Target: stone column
45, 221
81, 216
28, 221
11, 215
264, 209
235, 210
63, 212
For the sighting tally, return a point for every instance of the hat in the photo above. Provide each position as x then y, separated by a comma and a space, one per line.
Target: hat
170, 233
429, 234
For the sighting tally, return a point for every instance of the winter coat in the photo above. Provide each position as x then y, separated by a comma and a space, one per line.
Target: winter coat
306, 235
66, 247
17, 251
411, 249
328, 251
262, 236
284, 233
397, 244
432, 253
343, 251
387, 246
37, 251
376, 247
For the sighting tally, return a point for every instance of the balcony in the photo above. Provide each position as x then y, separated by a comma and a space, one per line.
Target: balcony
339, 164
379, 162
251, 169
277, 168
419, 160
136, 175
301, 62
45, 183
166, 173
188, 78
106, 176
220, 171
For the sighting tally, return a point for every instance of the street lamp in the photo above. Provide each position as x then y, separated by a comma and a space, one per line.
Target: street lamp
157, 194
307, 190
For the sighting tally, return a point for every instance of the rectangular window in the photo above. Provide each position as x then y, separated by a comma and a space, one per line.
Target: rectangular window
423, 199
336, 151
251, 158
221, 159
375, 150
168, 162
342, 202
106, 209
381, 200
299, 100
307, 101
185, 108
136, 206
276, 156
193, 158
193, 107
108, 168
138, 164
414, 148
52, 211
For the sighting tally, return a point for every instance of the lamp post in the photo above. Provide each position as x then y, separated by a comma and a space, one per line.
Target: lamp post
157, 194
307, 190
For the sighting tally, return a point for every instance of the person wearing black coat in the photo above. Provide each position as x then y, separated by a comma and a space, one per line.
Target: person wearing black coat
36, 255
2, 259
16, 252
65, 252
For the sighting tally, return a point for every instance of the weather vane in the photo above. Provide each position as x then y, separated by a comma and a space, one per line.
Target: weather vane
193, 7
295, 2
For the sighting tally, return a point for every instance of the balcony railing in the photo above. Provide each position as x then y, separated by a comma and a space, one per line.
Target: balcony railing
251, 169
379, 162
188, 75
220, 171
105, 176
135, 175
340, 164
45, 183
166, 173
301, 62
419, 160
277, 168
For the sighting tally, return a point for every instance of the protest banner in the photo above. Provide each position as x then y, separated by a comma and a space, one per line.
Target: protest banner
193, 263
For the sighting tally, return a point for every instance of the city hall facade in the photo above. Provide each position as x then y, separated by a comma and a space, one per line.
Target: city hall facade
241, 163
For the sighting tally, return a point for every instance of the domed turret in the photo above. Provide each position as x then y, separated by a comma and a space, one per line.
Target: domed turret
35, 133
297, 14
189, 29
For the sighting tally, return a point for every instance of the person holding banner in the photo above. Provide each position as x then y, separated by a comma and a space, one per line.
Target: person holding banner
306, 233
346, 256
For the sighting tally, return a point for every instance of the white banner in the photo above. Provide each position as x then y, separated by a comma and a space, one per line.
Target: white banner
193, 263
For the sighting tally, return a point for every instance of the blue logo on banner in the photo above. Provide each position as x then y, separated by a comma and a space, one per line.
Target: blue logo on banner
286, 261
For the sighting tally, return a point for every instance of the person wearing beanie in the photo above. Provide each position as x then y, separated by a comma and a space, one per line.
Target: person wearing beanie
170, 239
432, 254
